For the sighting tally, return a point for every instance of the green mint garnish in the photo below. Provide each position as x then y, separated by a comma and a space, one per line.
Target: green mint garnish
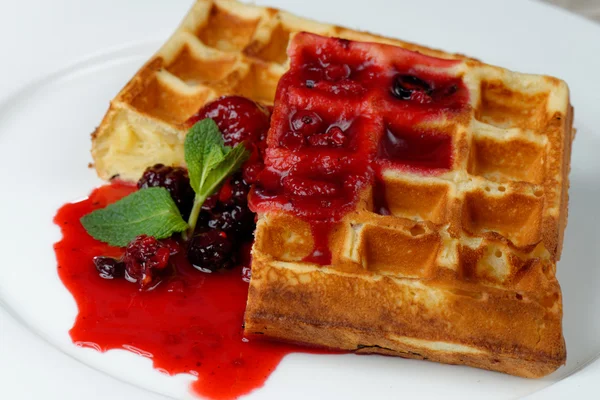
152, 211
149, 211
209, 163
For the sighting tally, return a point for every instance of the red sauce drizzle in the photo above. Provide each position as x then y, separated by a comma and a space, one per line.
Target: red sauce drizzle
321, 254
345, 112
191, 323
380, 203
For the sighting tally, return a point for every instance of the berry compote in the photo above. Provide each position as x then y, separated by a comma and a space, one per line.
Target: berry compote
180, 304
346, 111
189, 323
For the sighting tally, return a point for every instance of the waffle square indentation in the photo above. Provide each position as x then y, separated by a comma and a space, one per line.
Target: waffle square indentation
417, 200
507, 160
227, 31
506, 107
398, 252
516, 216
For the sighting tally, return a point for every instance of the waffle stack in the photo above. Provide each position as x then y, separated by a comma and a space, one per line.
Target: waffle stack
221, 47
460, 267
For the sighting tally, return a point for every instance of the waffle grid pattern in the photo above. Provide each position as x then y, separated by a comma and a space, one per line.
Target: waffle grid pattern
495, 208
485, 233
488, 231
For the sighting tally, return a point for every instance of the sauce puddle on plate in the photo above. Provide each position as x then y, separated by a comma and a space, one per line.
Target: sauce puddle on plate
190, 323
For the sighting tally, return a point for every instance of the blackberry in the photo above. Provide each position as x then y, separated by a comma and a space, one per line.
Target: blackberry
405, 85
146, 260
211, 202
175, 180
235, 191
239, 191
235, 220
109, 268
211, 251
203, 218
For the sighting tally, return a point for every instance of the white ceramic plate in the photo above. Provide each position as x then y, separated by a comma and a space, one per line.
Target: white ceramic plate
62, 63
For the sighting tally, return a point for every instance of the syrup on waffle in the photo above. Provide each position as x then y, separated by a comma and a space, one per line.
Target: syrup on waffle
413, 206
222, 47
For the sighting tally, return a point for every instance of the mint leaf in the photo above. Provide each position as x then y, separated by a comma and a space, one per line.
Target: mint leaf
204, 148
149, 211
228, 165
209, 163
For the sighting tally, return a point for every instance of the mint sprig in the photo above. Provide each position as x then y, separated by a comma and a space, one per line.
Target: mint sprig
152, 211
209, 162
149, 211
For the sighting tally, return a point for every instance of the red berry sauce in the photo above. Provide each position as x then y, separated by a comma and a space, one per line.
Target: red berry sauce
190, 323
345, 112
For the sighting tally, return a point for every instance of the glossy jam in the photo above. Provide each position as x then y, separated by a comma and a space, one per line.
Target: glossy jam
339, 122
419, 150
380, 203
320, 254
239, 119
190, 323
345, 112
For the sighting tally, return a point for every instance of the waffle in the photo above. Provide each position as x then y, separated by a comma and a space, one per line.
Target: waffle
222, 47
462, 271
458, 264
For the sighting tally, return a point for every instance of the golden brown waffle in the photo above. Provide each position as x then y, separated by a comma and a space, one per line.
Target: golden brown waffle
221, 47
463, 270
